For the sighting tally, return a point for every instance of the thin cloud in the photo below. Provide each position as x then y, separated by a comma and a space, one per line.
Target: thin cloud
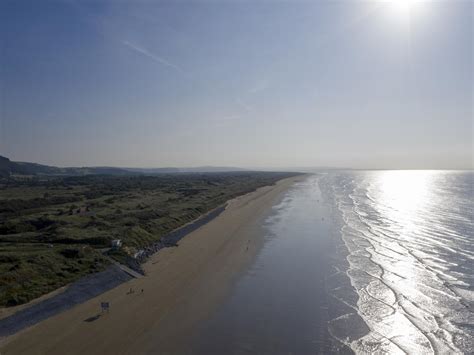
230, 118
259, 86
244, 105
151, 56
224, 119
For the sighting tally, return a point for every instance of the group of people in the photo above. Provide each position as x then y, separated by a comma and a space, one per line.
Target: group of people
105, 306
133, 291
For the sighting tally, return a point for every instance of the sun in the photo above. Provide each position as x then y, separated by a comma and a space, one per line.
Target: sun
402, 17
403, 4
404, 8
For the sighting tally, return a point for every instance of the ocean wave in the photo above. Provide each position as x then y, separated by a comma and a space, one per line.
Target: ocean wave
410, 252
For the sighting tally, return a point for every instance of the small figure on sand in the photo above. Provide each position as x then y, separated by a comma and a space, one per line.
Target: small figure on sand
105, 306
130, 291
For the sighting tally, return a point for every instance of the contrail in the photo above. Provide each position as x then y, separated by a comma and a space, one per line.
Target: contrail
151, 55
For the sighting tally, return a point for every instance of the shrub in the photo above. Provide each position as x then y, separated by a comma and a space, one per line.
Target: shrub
72, 253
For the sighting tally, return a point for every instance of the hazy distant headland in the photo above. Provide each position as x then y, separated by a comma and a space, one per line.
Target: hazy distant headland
8, 168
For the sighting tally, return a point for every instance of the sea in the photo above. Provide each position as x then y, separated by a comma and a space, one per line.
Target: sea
377, 262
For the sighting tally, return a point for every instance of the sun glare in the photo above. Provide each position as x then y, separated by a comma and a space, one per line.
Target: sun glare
404, 193
402, 8
403, 5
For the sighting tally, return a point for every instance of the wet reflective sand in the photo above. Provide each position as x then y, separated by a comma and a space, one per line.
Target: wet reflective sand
367, 262
289, 301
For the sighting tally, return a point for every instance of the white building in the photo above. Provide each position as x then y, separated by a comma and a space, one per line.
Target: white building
116, 244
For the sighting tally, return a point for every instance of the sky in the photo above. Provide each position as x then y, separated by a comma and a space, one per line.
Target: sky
359, 84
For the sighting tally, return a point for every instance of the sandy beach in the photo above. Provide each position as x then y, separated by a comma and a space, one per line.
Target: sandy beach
182, 286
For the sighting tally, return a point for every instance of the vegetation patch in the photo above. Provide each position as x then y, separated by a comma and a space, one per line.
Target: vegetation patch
56, 229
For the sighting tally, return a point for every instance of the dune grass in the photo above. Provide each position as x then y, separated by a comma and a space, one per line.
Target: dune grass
53, 230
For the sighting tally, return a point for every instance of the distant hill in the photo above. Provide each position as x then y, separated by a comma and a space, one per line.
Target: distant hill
8, 168
5, 167
200, 169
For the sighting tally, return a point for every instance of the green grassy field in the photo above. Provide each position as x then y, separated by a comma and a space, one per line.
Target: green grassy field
53, 230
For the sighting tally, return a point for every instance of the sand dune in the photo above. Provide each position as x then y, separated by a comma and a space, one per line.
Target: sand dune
183, 285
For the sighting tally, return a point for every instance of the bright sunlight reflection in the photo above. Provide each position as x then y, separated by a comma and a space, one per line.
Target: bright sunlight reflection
405, 191
403, 195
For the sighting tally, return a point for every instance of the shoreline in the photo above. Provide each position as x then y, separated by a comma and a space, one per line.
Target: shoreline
181, 287
288, 300
17, 318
